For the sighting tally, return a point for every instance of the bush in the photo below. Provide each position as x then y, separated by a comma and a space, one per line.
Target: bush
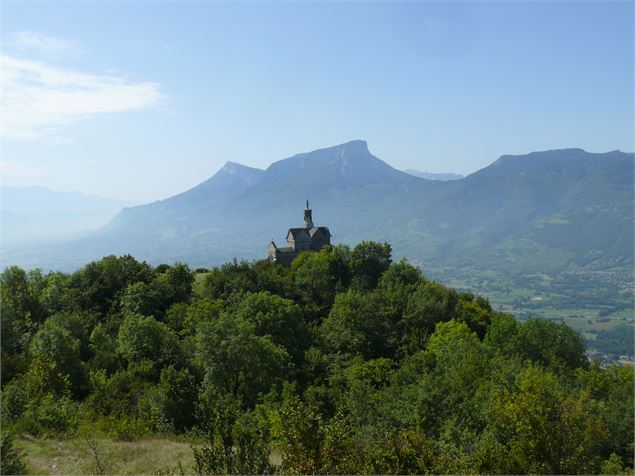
237, 443
170, 405
14, 401
49, 416
11, 461
127, 428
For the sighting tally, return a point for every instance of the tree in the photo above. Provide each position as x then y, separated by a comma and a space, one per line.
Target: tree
397, 284
475, 311
299, 435
238, 362
173, 401
429, 304
360, 323
237, 277
79, 325
58, 295
368, 261
278, 318
103, 346
102, 282
237, 443
545, 429
550, 343
148, 345
174, 284
554, 345
460, 376
316, 278
140, 298
612, 390
21, 311
57, 344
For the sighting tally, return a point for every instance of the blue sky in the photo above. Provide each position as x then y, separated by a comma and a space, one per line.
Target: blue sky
142, 100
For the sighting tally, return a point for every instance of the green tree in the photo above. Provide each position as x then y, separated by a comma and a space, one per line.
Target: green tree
612, 391
429, 304
554, 345
238, 362
201, 310
238, 443
360, 323
58, 295
368, 261
278, 318
21, 311
545, 429
174, 285
236, 277
57, 344
103, 347
172, 403
102, 282
140, 298
475, 311
298, 434
148, 345
316, 278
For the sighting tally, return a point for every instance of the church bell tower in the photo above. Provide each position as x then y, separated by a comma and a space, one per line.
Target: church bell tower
308, 218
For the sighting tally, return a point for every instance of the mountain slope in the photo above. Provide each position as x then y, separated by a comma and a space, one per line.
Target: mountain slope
568, 199
230, 181
556, 207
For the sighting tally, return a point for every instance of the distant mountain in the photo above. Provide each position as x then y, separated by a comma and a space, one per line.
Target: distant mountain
443, 177
38, 214
545, 210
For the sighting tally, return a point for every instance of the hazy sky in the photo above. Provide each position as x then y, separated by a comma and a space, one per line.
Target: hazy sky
141, 100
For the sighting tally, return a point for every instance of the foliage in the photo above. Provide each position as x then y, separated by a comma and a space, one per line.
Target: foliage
237, 361
11, 460
147, 344
368, 261
342, 363
237, 443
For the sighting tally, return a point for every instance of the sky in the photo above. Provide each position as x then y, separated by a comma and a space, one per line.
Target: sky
142, 100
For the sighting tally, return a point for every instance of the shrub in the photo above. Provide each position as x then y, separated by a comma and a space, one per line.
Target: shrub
49, 415
11, 461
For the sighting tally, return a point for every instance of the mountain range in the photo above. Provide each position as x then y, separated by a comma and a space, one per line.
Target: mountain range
541, 211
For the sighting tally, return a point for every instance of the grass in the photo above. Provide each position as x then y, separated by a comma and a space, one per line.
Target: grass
104, 456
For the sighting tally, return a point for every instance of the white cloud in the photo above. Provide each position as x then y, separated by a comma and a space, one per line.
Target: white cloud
39, 99
28, 40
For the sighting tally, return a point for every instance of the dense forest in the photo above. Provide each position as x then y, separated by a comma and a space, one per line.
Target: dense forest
344, 363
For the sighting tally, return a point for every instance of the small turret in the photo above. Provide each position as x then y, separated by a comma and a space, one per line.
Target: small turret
308, 218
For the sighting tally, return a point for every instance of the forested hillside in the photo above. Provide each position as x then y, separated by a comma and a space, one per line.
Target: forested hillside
344, 363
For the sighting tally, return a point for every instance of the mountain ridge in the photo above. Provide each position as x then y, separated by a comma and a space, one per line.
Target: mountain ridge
531, 197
